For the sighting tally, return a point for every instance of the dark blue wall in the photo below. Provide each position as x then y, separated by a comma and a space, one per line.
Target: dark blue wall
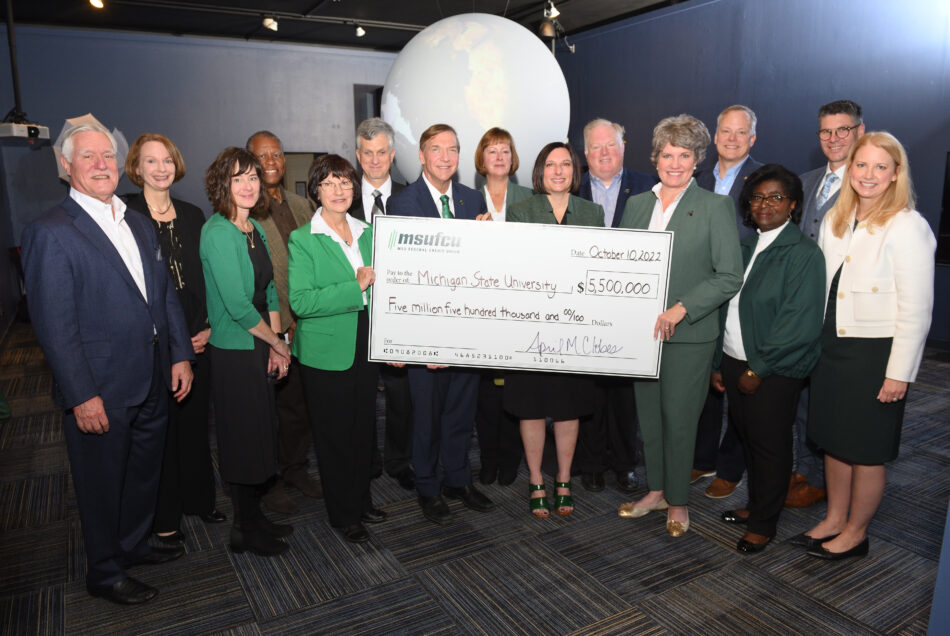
784, 60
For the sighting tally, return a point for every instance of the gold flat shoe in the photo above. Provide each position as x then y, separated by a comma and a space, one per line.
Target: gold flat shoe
630, 511
676, 529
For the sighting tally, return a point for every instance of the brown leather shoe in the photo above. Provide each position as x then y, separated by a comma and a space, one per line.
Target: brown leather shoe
698, 474
804, 495
720, 488
303, 482
277, 500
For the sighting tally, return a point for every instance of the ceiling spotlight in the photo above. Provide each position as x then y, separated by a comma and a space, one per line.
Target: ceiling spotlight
97, 3
360, 31
550, 11
270, 23
547, 30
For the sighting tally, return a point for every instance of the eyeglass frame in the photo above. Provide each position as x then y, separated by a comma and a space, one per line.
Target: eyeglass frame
772, 199
837, 131
330, 185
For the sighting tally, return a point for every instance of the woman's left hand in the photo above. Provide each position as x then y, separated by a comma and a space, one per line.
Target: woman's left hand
484, 216
278, 363
200, 340
666, 322
749, 384
892, 391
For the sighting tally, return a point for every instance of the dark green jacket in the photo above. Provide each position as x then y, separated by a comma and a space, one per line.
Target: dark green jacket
706, 266
781, 305
229, 283
537, 209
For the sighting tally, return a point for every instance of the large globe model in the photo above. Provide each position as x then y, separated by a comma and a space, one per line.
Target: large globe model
475, 71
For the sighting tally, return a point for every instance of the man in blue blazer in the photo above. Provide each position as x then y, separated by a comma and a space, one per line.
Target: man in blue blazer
609, 439
735, 136
113, 332
443, 399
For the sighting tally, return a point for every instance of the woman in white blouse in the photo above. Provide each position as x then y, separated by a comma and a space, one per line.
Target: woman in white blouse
879, 255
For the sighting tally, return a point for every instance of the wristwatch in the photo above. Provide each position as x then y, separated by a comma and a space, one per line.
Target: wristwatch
751, 373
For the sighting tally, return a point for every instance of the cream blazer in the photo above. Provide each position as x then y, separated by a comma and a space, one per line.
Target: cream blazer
886, 287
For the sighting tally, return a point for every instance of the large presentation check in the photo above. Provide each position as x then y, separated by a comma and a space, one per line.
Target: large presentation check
518, 295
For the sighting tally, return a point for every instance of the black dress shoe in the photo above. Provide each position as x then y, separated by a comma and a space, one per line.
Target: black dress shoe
487, 475
733, 516
748, 547
507, 476
214, 516
627, 481
162, 554
593, 482
357, 533
471, 497
407, 479
276, 530
810, 543
859, 550
174, 538
256, 542
435, 509
128, 591
373, 515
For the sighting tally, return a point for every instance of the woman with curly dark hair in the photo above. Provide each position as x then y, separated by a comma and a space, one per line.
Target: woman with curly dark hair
246, 353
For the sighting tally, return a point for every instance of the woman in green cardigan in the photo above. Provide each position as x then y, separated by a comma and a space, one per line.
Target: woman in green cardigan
705, 272
245, 352
329, 277
564, 397
770, 343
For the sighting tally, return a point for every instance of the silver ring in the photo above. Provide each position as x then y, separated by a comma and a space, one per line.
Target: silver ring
286, 366
894, 400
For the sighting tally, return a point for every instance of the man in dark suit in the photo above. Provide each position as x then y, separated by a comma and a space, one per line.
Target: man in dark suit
113, 332
375, 150
443, 399
735, 136
609, 439
839, 128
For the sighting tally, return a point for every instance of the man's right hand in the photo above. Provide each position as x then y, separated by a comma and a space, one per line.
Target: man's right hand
91, 416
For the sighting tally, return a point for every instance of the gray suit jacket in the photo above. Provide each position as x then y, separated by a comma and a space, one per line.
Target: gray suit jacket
812, 215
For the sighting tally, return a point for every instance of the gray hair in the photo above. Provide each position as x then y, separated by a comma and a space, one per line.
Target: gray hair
753, 120
684, 131
370, 128
67, 148
263, 133
594, 123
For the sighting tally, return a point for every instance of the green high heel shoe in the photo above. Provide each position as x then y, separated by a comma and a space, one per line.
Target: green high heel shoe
563, 503
538, 505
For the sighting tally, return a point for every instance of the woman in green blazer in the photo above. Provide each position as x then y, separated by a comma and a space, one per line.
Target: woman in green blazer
245, 352
705, 272
564, 397
771, 341
328, 282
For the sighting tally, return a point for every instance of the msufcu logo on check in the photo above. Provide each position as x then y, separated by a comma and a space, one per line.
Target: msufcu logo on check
423, 240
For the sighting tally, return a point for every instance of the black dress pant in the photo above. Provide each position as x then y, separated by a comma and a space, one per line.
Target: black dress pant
608, 439
725, 456
499, 434
187, 483
764, 423
293, 426
397, 446
342, 408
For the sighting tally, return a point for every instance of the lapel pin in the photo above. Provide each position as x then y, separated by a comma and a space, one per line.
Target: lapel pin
690, 213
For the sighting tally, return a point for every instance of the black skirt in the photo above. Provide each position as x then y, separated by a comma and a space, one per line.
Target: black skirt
560, 396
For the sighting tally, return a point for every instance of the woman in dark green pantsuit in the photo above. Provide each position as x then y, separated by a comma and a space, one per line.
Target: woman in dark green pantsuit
705, 272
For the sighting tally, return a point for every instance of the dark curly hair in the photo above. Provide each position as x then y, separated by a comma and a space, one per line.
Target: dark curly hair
537, 174
230, 162
330, 166
789, 181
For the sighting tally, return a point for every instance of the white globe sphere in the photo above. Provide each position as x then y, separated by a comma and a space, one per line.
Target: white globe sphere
475, 71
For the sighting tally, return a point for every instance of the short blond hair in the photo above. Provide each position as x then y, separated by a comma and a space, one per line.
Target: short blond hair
684, 131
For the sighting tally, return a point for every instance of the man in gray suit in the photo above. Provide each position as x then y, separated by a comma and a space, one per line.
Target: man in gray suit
839, 128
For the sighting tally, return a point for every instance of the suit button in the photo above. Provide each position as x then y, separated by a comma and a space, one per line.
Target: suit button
847, 259
874, 289
842, 332
840, 294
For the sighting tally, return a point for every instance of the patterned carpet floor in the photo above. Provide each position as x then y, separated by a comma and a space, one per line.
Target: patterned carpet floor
502, 572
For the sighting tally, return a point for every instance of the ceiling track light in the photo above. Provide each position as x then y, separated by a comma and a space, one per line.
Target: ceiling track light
270, 23
97, 3
550, 11
360, 31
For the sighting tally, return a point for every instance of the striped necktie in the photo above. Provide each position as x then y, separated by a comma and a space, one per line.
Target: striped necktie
830, 180
378, 207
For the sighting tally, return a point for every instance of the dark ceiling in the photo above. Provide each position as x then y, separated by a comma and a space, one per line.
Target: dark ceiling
389, 24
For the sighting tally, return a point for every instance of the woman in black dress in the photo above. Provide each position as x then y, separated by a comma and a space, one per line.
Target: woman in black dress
187, 482
247, 355
879, 255
565, 398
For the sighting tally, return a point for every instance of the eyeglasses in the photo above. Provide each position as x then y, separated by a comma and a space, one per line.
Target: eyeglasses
772, 199
840, 133
345, 184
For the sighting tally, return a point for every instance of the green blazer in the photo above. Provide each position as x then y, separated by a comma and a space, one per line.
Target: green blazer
537, 209
516, 194
325, 297
706, 265
781, 306
229, 283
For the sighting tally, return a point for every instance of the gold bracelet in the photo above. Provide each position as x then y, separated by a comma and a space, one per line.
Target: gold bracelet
751, 373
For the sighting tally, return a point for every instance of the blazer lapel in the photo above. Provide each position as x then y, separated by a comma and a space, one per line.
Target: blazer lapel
149, 261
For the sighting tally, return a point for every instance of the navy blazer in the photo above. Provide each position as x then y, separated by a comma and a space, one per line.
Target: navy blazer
632, 183
812, 215
89, 316
706, 179
415, 200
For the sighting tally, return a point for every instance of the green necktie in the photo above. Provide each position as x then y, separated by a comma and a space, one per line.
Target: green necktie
446, 212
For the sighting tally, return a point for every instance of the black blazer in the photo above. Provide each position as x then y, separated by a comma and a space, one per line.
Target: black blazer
356, 208
631, 184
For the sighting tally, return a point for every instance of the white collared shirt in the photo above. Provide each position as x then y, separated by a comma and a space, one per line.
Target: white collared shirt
661, 218
836, 186
318, 225
110, 217
732, 344
496, 215
369, 201
437, 196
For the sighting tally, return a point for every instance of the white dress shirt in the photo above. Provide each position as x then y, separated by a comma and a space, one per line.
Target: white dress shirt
437, 196
369, 201
318, 225
661, 217
496, 215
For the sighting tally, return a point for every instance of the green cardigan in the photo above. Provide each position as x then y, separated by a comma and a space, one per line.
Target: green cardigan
325, 297
781, 305
705, 266
229, 281
537, 209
